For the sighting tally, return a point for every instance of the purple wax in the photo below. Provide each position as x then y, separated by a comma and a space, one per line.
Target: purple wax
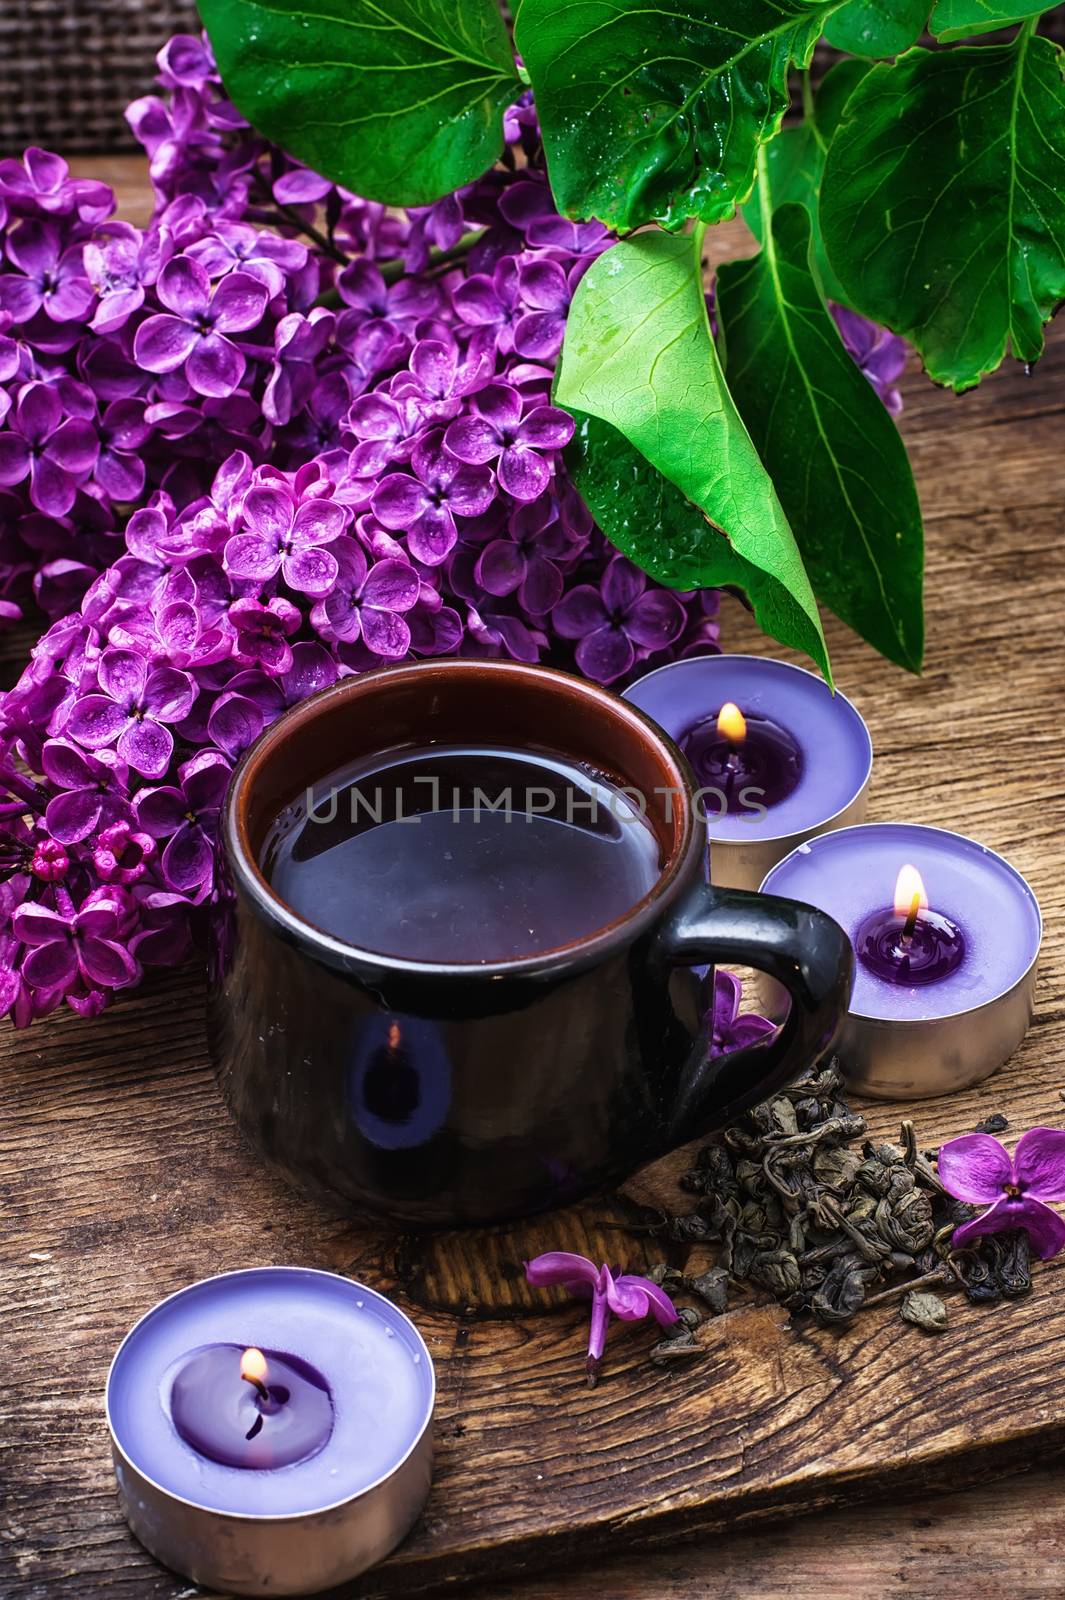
832, 750
909, 952
378, 1379
285, 1417
851, 874
761, 768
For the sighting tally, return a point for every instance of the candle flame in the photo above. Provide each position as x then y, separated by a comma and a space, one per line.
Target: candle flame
253, 1367
731, 723
394, 1036
910, 897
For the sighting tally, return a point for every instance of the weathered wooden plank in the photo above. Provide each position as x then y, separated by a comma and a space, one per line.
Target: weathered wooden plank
122, 1178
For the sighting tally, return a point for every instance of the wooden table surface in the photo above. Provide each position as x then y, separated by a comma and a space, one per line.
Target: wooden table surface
120, 1176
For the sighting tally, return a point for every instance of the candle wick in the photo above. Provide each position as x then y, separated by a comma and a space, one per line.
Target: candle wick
911, 919
260, 1387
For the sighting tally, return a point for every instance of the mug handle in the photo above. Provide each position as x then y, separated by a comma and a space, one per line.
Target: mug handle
804, 949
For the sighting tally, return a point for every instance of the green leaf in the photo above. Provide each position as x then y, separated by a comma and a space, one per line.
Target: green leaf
648, 519
943, 202
638, 355
655, 114
833, 92
877, 27
790, 168
835, 456
398, 100
790, 172
961, 19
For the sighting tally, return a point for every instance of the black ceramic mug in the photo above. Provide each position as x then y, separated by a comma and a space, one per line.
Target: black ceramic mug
530, 1081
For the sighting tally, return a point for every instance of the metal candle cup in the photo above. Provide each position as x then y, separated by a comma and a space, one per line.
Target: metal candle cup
964, 1016
833, 746
296, 1528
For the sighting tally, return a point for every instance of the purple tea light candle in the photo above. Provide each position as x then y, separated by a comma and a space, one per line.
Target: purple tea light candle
778, 757
271, 1429
946, 935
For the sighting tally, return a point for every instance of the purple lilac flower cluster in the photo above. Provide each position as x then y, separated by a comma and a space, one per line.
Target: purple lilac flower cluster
281, 435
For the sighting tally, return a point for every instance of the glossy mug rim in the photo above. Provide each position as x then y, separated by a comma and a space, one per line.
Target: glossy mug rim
588, 950
837, 694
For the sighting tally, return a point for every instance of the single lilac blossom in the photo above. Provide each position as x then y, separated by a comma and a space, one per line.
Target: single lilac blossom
66, 945
371, 347
499, 634
131, 711
186, 816
41, 182
52, 278
368, 602
403, 303
194, 335
50, 861
186, 63
120, 470
426, 505
263, 632
440, 225
615, 618
235, 247
627, 1296
523, 561
55, 455
492, 302
978, 1169
121, 263
498, 432
441, 375
91, 791
286, 538
387, 428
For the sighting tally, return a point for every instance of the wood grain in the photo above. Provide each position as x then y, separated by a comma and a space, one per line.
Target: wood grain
122, 1179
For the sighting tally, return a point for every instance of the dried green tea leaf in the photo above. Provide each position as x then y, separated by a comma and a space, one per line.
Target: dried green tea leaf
924, 1310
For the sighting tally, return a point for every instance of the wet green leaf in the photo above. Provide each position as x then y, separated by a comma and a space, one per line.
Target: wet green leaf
833, 92
961, 19
638, 356
790, 168
657, 115
943, 202
648, 519
834, 454
877, 27
398, 100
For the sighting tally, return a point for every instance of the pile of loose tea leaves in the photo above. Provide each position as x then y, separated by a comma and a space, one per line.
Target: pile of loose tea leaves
829, 1222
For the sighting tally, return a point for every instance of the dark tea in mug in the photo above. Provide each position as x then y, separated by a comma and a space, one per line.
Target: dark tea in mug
449, 982
462, 853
